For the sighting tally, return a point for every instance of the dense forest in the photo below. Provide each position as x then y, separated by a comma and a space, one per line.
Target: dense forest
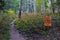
25, 19
32, 5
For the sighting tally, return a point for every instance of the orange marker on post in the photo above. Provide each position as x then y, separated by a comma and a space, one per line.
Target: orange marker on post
47, 21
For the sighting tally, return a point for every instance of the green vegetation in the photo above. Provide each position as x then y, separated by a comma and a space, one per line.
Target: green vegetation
30, 23
34, 22
5, 19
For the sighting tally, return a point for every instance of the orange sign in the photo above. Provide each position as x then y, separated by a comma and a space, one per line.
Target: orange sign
47, 21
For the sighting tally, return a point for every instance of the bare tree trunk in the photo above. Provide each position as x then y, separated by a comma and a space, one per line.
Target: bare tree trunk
53, 8
34, 6
42, 6
27, 6
19, 13
20, 6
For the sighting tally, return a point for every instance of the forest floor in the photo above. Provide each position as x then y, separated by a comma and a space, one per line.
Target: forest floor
14, 35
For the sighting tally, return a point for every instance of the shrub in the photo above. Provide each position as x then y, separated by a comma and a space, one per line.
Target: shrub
32, 23
5, 19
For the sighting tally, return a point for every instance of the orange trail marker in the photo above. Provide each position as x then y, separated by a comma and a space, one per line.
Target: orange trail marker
47, 21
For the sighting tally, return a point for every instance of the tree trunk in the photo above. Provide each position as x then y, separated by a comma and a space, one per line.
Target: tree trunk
20, 6
53, 8
34, 6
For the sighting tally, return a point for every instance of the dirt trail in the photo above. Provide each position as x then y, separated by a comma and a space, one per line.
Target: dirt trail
14, 34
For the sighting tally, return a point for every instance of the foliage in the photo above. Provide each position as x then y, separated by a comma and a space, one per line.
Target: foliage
5, 19
4, 25
13, 4
32, 24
